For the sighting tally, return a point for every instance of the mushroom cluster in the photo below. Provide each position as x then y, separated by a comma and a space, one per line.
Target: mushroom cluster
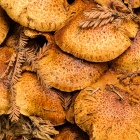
70, 69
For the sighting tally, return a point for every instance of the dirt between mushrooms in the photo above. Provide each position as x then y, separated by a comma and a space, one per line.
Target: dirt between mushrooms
69, 70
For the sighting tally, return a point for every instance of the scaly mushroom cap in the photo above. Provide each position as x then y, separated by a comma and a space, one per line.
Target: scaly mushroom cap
42, 15
65, 72
5, 54
98, 44
104, 110
71, 132
4, 25
130, 59
32, 101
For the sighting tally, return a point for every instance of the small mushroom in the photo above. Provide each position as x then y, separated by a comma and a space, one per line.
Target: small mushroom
105, 111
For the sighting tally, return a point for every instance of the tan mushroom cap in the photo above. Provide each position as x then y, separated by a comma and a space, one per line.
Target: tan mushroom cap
130, 59
107, 114
4, 25
42, 15
32, 101
65, 72
71, 132
96, 45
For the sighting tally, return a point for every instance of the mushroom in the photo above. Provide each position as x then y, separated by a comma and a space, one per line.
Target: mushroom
42, 15
97, 39
4, 25
65, 72
104, 110
32, 100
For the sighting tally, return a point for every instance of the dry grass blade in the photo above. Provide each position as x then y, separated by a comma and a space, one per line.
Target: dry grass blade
66, 99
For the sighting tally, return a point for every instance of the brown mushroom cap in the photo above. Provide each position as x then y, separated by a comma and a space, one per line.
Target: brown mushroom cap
65, 72
130, 59
42, 15
106, 113
98, 44
32, 101
4, 25
70, 132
